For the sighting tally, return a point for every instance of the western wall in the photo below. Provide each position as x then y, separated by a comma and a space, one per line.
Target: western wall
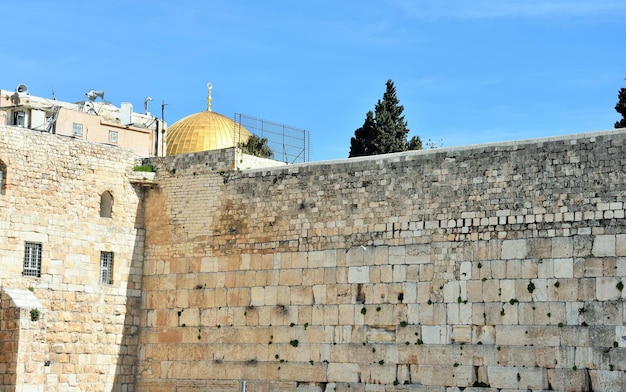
495, 266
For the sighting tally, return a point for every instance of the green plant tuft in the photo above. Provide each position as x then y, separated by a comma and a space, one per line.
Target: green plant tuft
34, 314
143, 168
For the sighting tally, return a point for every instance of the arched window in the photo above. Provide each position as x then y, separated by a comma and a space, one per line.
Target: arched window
3, 177
106, 204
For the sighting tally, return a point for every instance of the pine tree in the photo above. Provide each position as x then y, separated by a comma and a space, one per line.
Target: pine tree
361, 143
620, 107
384, 130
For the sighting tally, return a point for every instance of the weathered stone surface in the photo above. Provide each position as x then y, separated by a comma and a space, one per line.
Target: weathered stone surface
498, 264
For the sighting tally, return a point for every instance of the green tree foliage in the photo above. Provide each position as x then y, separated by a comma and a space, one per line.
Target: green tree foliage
384, 130
257, 146
620, 107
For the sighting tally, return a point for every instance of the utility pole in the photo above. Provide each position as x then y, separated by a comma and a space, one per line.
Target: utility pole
163, 104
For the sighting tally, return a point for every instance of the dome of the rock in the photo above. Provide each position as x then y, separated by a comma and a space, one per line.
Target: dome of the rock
204, 131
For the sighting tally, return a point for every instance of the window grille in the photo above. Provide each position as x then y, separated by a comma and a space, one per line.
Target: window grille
77, 129
106, 267
32, 259
113, 137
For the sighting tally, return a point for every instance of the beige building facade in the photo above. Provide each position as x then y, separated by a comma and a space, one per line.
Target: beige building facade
91, 119
498, 266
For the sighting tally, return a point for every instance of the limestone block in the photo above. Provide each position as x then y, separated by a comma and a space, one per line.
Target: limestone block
475, 291
309, 388
413, 311
465, 313
436, 334
450, 375
330, 258
518, 378
563, 268
386, 274
465, 270
399, 273
381, 373
356, 256
418, 254
613, 313
491, 290
620, 245
562, 247
409, 290
606, 380
513, 249
461, 334
606, 289
498, 269
451, 291
257, 296
620, 335
545, 269
290, 277
526, 313
301, 295
507, 290
568, 379
513, 269
397, 254
601, 335
358, 274
485, 334
319, 294
604, 245
511, 335
343, 372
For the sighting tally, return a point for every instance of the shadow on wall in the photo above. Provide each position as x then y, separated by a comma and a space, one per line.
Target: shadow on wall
9, 339
126, 368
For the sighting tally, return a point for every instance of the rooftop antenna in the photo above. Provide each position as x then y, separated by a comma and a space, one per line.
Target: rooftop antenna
145, 104
209, 86
53, 92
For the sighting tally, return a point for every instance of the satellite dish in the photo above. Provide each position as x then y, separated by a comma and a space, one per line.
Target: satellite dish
93, 94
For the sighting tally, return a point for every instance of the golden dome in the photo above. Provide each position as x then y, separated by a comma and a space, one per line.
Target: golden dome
204, 131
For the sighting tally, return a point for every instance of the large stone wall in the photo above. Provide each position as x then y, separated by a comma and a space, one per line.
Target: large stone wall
85, 338
498, 265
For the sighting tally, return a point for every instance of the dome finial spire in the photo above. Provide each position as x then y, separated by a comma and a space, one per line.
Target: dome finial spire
208, 99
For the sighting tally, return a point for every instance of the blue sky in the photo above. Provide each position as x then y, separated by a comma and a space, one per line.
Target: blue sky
466, 72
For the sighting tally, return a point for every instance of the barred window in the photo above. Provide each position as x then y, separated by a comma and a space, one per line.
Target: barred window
106, 267
113, 137
77, 129
32, 259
